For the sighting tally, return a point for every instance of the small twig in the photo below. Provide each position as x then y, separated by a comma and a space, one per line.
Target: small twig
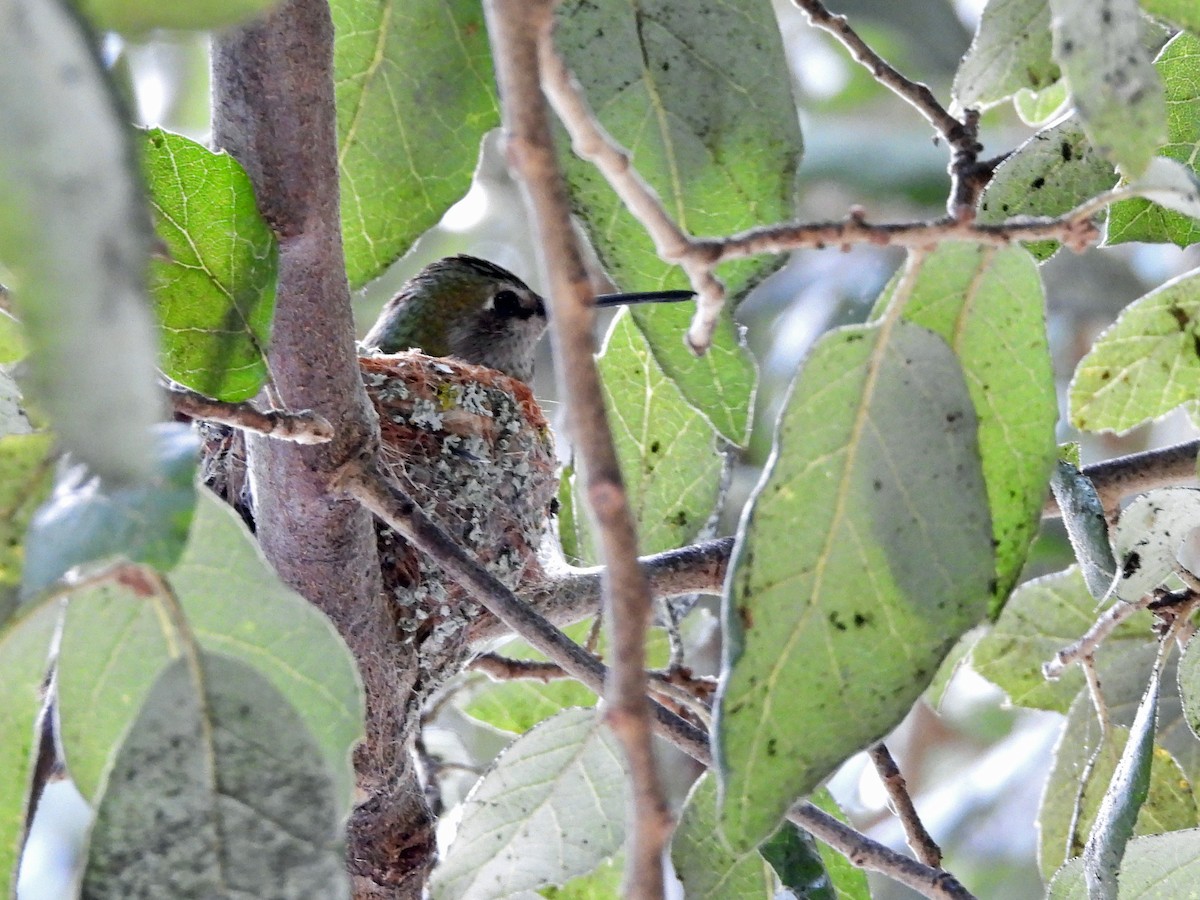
915, 833
363, 481
1137, 472
591, 142
1088, 664
1074, 229
302, 427
504, 668
518, 29
961, 135
1086, 646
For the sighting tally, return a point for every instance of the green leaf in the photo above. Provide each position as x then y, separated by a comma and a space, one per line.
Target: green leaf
1010, 52
602, 883
794, 856
24, 659
216, 295
1180, 13
666, 449
1123, 799
26, 477
988, 305
877, 485
139, 16
710, 870
699, 94
86, 521
1116, 90
200, 801
414, 91
1139, 219
12, 337
1145, 364
849, 882
75, 238
1083, 766
1042, 617
1050, 174
523, 824
117, 638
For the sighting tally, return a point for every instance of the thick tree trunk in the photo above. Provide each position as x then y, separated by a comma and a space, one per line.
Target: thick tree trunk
274, 111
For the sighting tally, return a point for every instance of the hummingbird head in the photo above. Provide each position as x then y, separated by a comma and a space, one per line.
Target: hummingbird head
468, 308
476, 311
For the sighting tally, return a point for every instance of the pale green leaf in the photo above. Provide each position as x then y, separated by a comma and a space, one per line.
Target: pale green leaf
700, 95
216, 294
1148, 537
1156, 867
139, 16
24, 659
1051, 173
1145, 364
280, 633
86, 521
13, 419
1074, 788
1116, 90
218, 790
877, 487
1010, 52
1171, 185
551, 808
414, 91
75, 237
987, 304
666, 449
1087, 526
116, 641
1122, 801
708, 868
1189, 684
1041, 107
1139, 219
1042, 617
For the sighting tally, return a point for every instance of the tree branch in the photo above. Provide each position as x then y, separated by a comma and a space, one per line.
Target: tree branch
302, 427
917, 837
1117, 478
695, 569
516, 27
968, 177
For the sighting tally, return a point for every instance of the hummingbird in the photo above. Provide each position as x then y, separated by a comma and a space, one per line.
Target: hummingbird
479, 312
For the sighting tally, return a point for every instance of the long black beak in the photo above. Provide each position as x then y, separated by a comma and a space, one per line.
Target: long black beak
603, 300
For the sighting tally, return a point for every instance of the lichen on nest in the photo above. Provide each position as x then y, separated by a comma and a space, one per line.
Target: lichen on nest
470, 445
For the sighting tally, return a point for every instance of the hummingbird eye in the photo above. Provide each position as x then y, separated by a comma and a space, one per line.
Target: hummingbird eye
507, 303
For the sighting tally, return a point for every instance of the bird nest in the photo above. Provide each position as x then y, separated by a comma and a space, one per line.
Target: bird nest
470, 445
